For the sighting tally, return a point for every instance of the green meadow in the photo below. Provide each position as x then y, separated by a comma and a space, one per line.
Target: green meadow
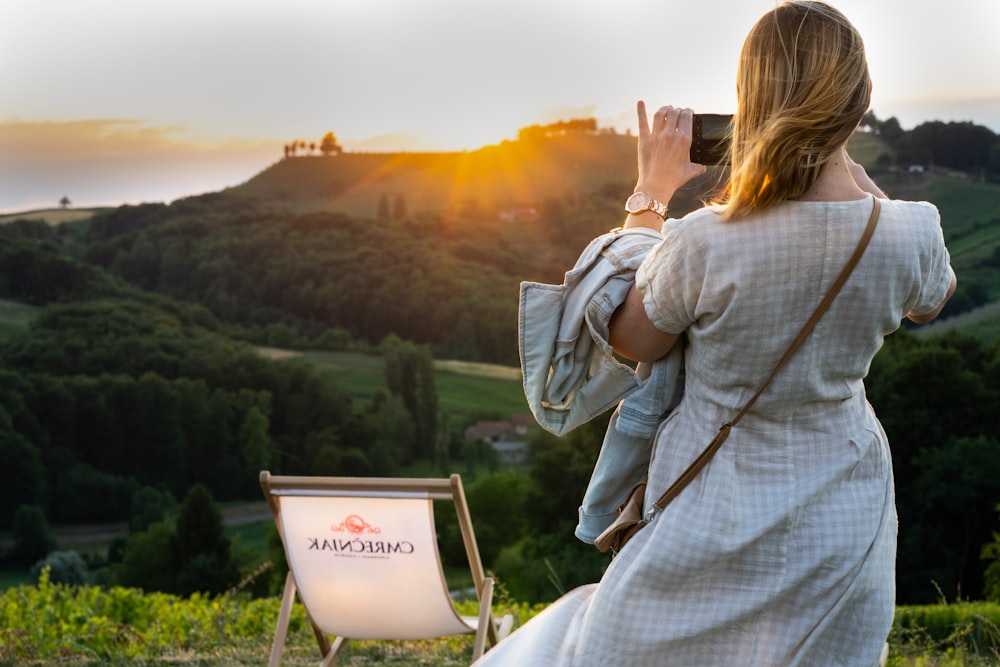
465, 390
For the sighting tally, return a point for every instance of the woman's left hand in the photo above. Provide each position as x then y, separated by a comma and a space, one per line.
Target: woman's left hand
665, 152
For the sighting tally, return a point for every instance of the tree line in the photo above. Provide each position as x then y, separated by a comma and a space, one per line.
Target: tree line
328, 145
558, 128
108, 392
436, 282
963, 145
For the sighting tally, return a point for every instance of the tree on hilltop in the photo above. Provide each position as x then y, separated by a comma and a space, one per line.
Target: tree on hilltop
292, 149
559, 128
329, 145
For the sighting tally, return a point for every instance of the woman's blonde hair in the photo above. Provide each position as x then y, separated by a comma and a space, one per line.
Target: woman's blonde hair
803, 87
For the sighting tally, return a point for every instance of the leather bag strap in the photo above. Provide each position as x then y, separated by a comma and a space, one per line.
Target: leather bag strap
692, 470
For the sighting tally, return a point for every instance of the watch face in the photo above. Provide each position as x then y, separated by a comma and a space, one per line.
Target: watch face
639, 201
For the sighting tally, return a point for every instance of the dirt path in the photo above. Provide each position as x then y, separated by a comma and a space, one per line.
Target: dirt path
70, 537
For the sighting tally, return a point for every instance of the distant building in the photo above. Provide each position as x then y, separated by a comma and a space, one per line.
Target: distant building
510, 453
507, 438
518, 213
522, 422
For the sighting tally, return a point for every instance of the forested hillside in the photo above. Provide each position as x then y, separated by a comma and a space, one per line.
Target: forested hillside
138, 376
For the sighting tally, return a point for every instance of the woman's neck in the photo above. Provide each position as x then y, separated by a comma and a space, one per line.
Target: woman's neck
835, 182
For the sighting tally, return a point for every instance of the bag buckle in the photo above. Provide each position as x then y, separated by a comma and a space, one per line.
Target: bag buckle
651, 513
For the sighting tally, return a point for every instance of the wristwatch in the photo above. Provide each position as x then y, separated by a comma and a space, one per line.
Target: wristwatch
640, 201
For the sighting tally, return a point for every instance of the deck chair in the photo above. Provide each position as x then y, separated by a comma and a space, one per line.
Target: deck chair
363, 559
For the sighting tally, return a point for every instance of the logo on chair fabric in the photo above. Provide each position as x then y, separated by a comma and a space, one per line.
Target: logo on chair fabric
353, 545
356, 525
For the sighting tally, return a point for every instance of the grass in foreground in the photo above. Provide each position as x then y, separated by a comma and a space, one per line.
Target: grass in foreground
90, 626
52, 623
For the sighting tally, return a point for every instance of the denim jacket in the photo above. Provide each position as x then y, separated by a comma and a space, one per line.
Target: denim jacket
571, 376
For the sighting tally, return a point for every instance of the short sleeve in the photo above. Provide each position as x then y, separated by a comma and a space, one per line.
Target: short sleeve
672, 276
934, 262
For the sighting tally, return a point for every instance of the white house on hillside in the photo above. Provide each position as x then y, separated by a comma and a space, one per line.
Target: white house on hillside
507, 438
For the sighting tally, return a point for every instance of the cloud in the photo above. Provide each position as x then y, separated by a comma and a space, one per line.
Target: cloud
113, 161
27, 142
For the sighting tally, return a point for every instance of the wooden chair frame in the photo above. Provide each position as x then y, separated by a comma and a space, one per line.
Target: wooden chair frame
447, 489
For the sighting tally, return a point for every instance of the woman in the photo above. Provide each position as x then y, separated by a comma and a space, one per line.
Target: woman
782, 550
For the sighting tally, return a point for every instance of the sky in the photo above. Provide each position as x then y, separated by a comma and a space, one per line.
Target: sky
127, 101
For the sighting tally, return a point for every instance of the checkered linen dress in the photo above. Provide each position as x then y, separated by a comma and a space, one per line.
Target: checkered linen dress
782, 551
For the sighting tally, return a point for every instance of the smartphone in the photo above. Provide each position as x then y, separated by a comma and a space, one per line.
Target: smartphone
710, 138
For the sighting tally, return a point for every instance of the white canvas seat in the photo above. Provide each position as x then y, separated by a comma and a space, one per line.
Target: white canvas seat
363, 559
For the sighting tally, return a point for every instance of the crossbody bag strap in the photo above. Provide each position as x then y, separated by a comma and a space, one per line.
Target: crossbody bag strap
692, 470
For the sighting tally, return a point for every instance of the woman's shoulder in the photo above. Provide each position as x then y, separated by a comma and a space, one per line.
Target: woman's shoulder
694, 221
694, 230
912, 219
707, 214
703, 221
920, 210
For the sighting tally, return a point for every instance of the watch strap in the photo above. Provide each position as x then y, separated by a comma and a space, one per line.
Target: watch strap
651, 204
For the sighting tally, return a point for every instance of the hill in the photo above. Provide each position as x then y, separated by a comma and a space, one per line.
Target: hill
508, 175
521, 208
521, 180
511, 174
528, 172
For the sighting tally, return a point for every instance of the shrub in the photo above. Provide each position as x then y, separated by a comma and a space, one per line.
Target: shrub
65, 567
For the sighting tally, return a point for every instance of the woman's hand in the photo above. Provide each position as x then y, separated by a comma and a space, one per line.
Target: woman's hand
861, 177
665, 152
